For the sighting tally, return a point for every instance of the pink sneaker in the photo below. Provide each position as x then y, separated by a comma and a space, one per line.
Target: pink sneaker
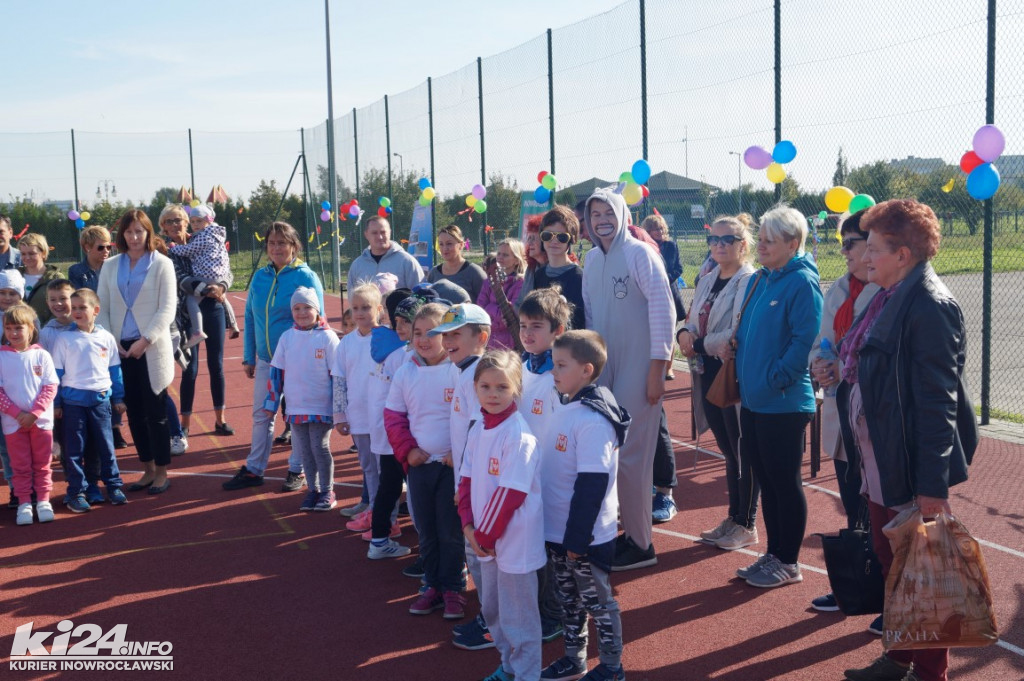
361, 522
454, 605
396, 532
427, 602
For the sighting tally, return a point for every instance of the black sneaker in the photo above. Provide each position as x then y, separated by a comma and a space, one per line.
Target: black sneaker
294, 482
284, 438
223, 429
882, 669
877, 626
826, 603
119, 441
415, 570
565, 669
550, 630
632, 557
243, 479
472, 636
13, 502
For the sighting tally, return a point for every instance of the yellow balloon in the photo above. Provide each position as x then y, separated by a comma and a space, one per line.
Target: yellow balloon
429, 193
85, 215
838, 199
195, 202
470, 200
633, 193
776, 173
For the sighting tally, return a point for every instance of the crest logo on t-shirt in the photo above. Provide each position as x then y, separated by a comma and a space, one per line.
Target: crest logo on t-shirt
319, 353
538, 407
448, 392
103, 353
458, 409
562, 443
492, 466
37, 369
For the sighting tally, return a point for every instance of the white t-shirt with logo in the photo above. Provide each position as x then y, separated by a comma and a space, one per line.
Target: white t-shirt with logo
579, 440
304, 355
465, 410
377, 397
506, 456
425, 394
86, 358
538, 401
352, 361
22, 374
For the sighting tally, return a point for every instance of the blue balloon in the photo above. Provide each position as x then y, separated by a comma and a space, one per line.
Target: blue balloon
784, 152
325, 205
424, 183
80, 223
541, 194
641, 171
983, 182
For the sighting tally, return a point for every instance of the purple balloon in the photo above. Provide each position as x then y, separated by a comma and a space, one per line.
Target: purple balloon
757, 158
989, 143
325, 216
73, 215
479, 191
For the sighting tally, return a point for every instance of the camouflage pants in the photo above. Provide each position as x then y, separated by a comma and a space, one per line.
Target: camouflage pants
583, 588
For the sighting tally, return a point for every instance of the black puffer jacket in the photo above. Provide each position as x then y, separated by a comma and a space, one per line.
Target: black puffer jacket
918, 411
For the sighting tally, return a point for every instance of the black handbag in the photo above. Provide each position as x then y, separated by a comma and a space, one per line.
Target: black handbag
854, 572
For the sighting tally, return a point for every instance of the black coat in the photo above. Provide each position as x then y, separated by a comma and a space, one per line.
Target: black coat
918, 411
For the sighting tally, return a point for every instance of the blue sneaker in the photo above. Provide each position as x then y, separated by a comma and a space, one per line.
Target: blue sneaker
116, 496
663, 508
93, 495
603, 672
499, 674
565, 669
77, 504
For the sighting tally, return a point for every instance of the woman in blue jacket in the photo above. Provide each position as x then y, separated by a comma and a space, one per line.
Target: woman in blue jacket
268, 314
774, 338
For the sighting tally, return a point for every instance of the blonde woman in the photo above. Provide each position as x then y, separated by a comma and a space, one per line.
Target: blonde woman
704, 339
454, 267
511, 257
34, 251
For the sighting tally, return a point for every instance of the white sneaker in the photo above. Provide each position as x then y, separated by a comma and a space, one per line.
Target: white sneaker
390, 550
179, 444
195, 340
44, 511
24, 514
737, 538
723, 529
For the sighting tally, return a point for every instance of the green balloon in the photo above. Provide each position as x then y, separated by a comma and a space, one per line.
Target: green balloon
549, 182
823, 214
626, 177
860, 202
424, 201
480, 206
385, 202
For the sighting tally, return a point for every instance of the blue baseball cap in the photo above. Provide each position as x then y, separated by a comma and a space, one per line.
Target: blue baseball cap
460, 315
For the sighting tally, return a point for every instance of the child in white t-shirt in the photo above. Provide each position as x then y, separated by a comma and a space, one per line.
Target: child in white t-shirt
12, 290
502, 516
351, 368
579, 464
300, 371
417, 416
29, 384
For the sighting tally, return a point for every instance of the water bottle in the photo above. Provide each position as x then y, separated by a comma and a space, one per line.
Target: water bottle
828, 353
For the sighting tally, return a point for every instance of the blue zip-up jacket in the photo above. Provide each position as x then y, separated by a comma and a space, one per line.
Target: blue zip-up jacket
775, 336
268, 309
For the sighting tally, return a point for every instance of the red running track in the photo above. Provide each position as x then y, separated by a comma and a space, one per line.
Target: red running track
244, 586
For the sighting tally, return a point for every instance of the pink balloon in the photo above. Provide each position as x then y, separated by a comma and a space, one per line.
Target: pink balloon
757, 158
989, 143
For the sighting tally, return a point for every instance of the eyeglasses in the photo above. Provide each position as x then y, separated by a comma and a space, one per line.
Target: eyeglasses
104, 247
848, 243
727, 240
173, 221
560, 237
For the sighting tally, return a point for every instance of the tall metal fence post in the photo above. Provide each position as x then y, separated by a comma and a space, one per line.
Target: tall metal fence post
332, 180
551, 107
433, 179
986, 290
74, 169
191, 165
387, 141
643, 84
483, 157
778, 86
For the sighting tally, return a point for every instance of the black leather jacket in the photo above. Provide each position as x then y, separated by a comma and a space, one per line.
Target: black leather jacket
911, 373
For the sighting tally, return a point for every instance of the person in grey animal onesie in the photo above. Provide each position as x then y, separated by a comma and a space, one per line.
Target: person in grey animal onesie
627, 300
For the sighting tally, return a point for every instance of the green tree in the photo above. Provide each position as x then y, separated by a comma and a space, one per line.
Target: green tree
264, 203
842, 170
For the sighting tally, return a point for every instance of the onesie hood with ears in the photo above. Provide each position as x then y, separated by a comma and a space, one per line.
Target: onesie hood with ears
621, 211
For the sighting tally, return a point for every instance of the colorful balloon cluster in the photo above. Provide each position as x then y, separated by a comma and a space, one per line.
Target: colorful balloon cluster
79, 218
548, 183
982, 175
383, 206
633, 183
325, 212
349, 209
758, 158
427, 192
843, 200
475, 199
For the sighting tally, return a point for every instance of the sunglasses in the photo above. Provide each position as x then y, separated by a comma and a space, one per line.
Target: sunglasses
107, 247
173, 221
560, 237
727, 240
848, 243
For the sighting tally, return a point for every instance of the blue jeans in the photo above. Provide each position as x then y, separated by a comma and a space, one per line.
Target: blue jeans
88, 429
173, 422
214, 326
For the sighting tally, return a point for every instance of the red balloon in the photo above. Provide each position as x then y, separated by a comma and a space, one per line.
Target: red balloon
540, 176
645, 190
382, 211
969, 162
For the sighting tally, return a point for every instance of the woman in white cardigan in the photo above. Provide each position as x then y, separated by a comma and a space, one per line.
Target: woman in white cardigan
137, 292
704, 337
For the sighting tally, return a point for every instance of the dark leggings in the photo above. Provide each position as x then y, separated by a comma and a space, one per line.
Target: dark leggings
740, 481
664, 456
147, 411
774, 445
214, 326
390, 489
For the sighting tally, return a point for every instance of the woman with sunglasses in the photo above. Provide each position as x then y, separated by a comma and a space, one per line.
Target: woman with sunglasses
704, 339
560, 230
96, 247
846, 299
454, 267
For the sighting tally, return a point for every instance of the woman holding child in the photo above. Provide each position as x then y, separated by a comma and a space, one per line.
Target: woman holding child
137, 300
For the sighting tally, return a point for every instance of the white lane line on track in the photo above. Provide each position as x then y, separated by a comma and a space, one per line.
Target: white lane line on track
185, 474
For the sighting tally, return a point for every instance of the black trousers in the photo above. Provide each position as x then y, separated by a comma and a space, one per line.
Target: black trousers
147, 411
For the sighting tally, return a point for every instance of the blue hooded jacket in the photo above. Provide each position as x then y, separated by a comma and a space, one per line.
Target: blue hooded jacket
775, 336
268, 308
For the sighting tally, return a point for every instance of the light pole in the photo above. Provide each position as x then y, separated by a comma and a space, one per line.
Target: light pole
686, 152
401, 165
109, 189
739, 181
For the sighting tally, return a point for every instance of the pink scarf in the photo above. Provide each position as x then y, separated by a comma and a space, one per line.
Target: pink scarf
849, 353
